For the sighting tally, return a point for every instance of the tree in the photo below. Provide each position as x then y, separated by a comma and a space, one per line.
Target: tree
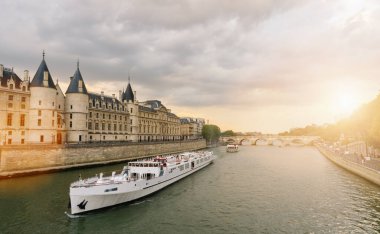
228, 133
211, 133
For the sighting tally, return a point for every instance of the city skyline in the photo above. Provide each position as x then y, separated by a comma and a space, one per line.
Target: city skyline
248, 66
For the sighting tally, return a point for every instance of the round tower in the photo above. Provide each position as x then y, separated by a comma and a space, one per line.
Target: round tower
42, 112
76, 109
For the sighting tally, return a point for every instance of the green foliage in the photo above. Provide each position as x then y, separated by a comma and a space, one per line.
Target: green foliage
363, 124
211, 133
228, 133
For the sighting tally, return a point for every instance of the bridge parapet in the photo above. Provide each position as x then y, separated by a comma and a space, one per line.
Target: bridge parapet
270, 140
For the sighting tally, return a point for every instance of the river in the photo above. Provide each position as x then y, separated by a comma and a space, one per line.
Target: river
260, 189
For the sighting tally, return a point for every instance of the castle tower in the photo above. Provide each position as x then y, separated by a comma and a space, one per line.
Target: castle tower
76, 109
129, 100
42, 112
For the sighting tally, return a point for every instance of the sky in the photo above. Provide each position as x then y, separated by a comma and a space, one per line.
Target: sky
264, 65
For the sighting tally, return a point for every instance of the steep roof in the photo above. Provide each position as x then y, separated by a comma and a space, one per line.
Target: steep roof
38, 80
103, 99
74, 83
128, 94
7, 75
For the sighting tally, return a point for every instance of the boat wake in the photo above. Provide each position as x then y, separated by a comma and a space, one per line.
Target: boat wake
140, 202
71, 216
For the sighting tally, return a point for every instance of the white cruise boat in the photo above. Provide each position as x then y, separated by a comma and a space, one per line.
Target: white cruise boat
136, 180
232, 148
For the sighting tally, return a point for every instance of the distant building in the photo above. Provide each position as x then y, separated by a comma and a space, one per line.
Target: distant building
191, 128
38, 112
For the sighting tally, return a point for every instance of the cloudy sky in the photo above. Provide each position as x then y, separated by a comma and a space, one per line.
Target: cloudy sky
261, 65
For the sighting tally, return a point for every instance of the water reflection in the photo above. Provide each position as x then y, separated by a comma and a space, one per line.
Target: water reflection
259, 189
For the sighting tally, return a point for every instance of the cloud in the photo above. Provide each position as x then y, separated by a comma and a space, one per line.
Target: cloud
246, 55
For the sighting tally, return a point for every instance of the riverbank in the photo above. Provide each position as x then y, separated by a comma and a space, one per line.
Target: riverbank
356, 168
26, 160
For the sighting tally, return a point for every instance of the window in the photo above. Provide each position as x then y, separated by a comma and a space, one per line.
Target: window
10, 133
59, 106
10, 98
90, 126
103, 126
39, 102
53, 104
90, 114
23, 99
71, 106
9, 141
115, 117
52, 123
52, 113
39, 122
115, 137
22, 120
109, 116
71, 116
104, 116
10, 105
22, 106
120, 117
131, 110
11, 86
109, 127
96, 126
114, 127
97, 115
23, 88
39, 113
59, 120
42, 138
9, 119
23, 140
71, 124
22, 133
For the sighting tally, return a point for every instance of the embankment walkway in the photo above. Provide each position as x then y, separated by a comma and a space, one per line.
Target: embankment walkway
369, 170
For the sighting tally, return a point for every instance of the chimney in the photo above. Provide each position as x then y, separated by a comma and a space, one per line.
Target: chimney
102, 93
120, 96
1, 70
26, 75
134, 94
46, 77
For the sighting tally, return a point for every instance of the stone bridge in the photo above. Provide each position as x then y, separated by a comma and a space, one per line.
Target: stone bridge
270, 140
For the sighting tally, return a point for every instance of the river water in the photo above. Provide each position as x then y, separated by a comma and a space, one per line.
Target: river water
262, 189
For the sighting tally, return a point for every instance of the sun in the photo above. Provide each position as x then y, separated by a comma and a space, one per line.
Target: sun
346, 101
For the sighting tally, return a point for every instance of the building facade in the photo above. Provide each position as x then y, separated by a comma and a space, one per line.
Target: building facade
191, 128
38, 112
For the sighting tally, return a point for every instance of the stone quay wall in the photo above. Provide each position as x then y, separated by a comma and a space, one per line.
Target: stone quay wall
34, 159
356, 168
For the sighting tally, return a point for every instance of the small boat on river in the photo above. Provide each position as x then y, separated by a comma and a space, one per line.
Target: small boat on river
232, 148
136, 180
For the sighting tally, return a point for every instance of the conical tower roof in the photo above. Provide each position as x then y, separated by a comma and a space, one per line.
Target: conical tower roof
77, 84
128, 94
38, 80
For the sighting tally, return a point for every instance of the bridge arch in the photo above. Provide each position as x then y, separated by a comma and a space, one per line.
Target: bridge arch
244, 141
261, 141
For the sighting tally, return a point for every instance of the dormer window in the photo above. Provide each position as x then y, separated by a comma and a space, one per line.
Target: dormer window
11, 86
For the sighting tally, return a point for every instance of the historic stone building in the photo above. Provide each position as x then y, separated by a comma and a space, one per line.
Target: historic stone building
14, 107
191, 128
37, 112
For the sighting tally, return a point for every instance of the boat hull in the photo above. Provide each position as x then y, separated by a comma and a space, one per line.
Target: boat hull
89, 199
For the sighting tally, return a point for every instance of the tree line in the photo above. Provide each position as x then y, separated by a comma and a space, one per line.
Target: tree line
363, 124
